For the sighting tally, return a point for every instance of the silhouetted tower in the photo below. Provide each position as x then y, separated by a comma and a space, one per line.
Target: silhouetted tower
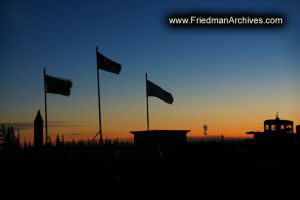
38, 130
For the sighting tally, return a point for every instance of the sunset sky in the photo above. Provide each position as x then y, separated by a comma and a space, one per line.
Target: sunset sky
231, 79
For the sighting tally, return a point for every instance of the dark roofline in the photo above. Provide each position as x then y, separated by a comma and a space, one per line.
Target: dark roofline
160, 131
276, 121
254, 132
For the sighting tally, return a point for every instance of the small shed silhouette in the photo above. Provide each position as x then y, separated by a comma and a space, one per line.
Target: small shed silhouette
38, 130
160, 136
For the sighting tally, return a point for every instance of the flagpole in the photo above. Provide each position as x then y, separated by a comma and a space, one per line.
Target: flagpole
45, 91
147, 103
99, 104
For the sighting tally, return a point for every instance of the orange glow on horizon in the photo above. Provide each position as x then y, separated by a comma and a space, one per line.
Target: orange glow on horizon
227, 128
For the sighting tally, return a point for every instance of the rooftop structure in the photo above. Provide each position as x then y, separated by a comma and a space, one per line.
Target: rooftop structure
276, 131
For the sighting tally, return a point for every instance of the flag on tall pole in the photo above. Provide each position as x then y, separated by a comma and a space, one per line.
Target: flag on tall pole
109, 65
58, 86
106, 64
156, 91
55, 86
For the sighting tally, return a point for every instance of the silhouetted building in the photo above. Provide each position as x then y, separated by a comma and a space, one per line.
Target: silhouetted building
160, 136
276, 131
298, 129
38, 130
276, 125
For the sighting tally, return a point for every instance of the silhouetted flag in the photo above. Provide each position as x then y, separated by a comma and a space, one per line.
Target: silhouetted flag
156, 91
107, 64
57, 85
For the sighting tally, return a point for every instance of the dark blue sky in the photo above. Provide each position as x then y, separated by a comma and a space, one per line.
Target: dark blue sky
209, 71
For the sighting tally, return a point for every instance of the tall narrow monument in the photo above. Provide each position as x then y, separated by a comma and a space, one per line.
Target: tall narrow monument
38, 130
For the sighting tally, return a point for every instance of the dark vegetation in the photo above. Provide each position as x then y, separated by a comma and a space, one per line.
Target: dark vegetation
209, 170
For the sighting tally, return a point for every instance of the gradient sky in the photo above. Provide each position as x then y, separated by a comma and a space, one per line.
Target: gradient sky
230, 79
